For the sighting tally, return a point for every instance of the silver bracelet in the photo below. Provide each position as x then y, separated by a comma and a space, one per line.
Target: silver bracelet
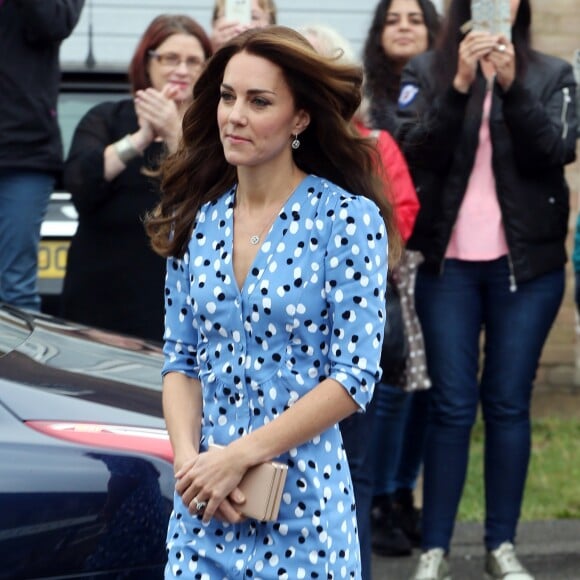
125, 149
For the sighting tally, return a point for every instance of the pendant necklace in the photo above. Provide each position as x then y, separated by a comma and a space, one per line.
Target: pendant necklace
255, 239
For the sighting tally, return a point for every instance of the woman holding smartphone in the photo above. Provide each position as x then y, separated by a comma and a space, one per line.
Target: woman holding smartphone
487, 128
226, 25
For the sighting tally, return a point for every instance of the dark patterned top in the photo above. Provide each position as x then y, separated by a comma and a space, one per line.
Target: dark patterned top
113, 280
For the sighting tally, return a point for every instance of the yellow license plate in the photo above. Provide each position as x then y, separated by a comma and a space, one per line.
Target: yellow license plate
52, 259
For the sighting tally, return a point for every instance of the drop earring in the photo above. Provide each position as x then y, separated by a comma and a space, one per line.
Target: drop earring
295, 142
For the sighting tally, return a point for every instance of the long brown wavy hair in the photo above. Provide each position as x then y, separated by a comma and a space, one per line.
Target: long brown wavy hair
382, 79
329, 91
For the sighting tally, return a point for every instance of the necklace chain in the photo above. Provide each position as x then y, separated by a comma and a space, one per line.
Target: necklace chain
254, 239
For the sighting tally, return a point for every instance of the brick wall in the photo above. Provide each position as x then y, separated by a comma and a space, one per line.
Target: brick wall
555, 31
555, 26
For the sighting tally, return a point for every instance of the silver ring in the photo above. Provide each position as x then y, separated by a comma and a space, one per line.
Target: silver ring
501, 47
199, 505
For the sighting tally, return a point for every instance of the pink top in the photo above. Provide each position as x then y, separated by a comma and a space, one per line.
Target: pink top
478, 233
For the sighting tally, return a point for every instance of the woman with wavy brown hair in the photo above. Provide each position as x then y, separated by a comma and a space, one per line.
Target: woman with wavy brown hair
400, 30
275, 228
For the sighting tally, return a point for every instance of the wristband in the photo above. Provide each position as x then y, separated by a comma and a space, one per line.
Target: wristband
125, 149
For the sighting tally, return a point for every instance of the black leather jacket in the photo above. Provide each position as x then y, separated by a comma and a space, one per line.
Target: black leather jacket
533, 131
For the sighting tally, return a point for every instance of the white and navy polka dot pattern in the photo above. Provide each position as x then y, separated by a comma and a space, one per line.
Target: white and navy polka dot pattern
312, 307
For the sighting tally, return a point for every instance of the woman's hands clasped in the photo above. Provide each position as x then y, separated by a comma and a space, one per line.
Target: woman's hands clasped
158, 112
488, 49
208, 484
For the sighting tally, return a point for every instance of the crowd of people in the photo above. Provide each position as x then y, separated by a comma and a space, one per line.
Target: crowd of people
344, 257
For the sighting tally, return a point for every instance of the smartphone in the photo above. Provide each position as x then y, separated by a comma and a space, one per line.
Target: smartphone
238, 11
493, 16
482, 15
503, 19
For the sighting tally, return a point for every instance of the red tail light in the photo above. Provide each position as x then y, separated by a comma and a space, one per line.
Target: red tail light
120, 437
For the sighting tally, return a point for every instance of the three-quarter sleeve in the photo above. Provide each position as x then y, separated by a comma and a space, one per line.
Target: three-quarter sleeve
356, 276
84, 171
180, 338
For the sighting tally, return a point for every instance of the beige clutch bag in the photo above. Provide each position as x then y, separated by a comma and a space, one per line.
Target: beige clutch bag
262, 486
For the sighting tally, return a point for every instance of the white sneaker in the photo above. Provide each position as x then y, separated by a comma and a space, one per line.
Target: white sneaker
432, 566
503, 563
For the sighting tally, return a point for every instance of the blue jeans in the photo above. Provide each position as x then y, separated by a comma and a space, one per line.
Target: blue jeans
413, 443
398, 438
354, 431
454, 308
391, 408
24, 198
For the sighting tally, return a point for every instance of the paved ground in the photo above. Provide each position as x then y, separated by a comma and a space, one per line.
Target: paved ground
550, 550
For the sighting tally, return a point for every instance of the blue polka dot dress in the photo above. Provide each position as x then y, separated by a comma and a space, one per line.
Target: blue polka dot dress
312, 307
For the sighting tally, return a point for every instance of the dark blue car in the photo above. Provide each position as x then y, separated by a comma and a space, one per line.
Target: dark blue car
86, 476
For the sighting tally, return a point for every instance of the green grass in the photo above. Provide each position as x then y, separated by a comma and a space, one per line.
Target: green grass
553, 484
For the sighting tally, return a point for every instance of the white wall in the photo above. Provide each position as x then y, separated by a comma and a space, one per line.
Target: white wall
118, 24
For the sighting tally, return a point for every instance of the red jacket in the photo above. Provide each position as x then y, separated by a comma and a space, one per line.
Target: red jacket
399, 187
